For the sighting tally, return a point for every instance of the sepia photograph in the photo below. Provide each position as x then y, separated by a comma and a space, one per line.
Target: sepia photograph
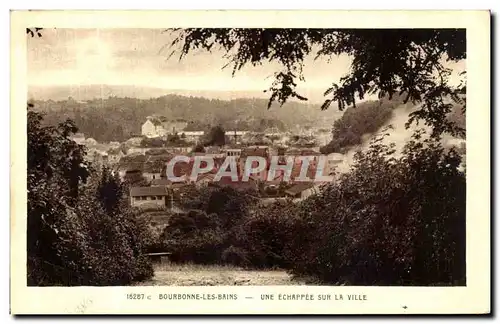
216, 156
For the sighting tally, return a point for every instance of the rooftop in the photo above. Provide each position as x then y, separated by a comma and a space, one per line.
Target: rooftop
148, 191
160, 182
255, 151
130, 166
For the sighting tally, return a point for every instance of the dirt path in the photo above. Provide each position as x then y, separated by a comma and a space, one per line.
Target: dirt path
193, 275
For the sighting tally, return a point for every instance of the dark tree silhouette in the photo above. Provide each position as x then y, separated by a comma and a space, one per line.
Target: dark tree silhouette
216, 136
384, 61
199, 148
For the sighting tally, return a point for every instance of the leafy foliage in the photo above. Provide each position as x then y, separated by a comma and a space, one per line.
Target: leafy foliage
194, 236
384, 61
80, 228
266, 234
390, 221
208, 228
118, 119
155, 142
216, 136
198, 148
34, 31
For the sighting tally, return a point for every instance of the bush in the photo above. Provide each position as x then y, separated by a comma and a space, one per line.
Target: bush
194, 237
152, 142
265, 235
235, 256
388, 221
80, 228
198, 148
209, 227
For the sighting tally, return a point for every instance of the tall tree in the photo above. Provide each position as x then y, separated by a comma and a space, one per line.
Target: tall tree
56, 168
81, 230
110, 192
216, 136
384, 61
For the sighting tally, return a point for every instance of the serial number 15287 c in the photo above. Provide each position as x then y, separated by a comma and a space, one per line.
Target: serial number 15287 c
135, 296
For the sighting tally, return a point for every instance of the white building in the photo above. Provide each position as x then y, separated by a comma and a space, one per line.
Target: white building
235, 136
160, 126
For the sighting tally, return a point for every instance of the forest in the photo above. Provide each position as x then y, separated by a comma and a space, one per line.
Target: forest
118, 119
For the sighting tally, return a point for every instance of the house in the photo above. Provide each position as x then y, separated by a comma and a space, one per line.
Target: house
129, 169
235, 136
157, 126
233, 151
147, 197
262, 151
175, 126
160, 182
301, 191
164, 182
214, 151
180, 149
152, 170
152, 128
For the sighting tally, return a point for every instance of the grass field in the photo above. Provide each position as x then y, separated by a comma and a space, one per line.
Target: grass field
171, 274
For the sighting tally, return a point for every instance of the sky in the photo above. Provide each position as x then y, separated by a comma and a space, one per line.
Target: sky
139, 57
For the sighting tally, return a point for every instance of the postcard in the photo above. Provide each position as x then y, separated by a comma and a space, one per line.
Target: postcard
250, 162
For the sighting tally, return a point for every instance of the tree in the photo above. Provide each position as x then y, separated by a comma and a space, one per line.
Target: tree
266, 234
384, 61
56, 168
135, 179
81, 230
155, 142
216, 136
110, 191
194, 236
198, 148
388, 221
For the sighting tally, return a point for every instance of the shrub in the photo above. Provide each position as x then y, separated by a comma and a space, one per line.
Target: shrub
194, 237
152, 142
265, 234
198, 148
209, 227
80, 229
235, 256
388, 221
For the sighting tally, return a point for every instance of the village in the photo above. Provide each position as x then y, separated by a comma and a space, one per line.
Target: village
142, 161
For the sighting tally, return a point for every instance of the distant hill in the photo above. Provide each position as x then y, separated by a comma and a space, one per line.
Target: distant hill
103, 91
105, 116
